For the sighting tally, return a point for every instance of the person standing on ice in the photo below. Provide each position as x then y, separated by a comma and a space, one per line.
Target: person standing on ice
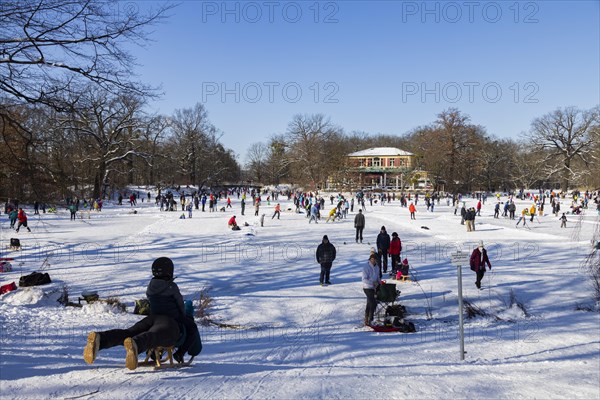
256, 206
160, 329
370, 282
383, 245
563, 221
359, 225
478, 260
314, 212
325, 257
412, 209
395, 250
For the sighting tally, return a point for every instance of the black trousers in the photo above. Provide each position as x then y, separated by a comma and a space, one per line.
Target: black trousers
371, 304
383, 260
150, 332
325, 271
395, 262
480, 275
359, 232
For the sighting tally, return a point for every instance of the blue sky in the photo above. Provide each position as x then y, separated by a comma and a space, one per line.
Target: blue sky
377, 66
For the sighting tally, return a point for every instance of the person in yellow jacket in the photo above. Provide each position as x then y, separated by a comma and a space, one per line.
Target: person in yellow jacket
332, 214
523, 217
532, 212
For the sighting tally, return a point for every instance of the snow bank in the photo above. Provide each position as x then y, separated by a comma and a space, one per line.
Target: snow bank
24, 296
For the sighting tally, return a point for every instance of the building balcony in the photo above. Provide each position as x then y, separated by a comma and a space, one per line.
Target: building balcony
388, 170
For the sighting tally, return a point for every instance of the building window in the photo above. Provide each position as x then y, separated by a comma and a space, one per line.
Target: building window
402, 162
391, 161
376, 162
369, 162
361, 162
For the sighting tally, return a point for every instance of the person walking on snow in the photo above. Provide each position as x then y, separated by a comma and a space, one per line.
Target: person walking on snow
12, 216
22, 217
277, 211
523, 217
478, 260
325, 256
331, 216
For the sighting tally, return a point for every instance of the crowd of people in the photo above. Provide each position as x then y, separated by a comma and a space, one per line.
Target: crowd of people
386, 255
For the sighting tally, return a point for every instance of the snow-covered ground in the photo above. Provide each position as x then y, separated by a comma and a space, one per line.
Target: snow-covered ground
298, 339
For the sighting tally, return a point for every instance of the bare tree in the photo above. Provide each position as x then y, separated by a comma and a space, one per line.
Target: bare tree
108, 130
567, 135
309, 152
257, 158
197, 149
48, 48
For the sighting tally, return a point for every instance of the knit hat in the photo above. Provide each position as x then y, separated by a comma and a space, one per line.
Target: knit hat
162, 268
405, 261
394, 234
481, 243
325, 238
383, 228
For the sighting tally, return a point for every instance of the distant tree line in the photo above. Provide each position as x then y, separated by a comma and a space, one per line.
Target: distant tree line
561, 150
73, 122
72, 117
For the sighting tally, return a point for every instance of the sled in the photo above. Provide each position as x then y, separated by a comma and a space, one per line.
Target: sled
160, 359
383, 328
15, 244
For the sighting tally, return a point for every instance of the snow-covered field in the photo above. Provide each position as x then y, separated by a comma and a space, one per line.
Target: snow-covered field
298, 339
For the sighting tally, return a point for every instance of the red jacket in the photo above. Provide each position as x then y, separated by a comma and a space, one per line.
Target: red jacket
21, 216
412, 208
232, 221
478, 260
395, 247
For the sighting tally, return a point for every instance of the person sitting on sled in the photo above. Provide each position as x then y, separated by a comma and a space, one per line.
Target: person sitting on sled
160, 329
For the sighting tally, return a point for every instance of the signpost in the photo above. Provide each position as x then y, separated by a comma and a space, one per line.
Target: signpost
458, 260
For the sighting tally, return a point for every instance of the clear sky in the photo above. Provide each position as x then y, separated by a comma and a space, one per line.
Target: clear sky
373, 66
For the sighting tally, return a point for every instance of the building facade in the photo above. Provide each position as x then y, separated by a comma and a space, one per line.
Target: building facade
383, 167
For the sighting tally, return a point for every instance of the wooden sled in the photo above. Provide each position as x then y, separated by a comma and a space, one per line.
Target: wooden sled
161, 363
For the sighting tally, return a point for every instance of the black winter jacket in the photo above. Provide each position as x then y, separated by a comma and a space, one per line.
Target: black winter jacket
325, 253
383, 241
165, 299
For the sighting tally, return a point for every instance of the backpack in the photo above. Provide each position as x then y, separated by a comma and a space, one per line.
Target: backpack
34, 279
142, 307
